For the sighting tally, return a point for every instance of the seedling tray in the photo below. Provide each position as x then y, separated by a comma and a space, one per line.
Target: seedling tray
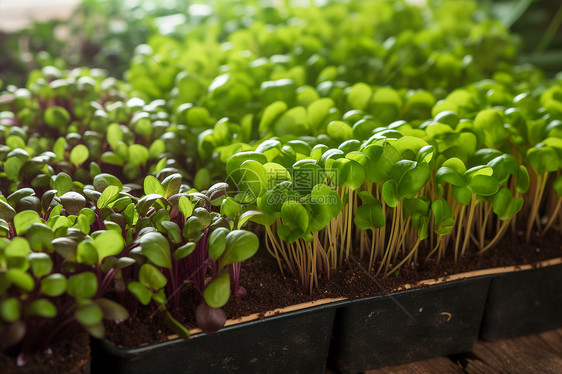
410, 325
525, 301
292, 342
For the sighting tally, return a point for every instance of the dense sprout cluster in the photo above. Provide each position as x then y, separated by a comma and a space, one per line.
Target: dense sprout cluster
432, 47
96, 216
457, 178
406, 135
220, 77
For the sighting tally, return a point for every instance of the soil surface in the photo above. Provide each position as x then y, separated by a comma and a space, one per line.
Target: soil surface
69, 356
268, 289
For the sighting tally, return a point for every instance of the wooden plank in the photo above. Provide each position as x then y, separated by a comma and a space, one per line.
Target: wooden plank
435, 365
541, 353
552, 340
523, 355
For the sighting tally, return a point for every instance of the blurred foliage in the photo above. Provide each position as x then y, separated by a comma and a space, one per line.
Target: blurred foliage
100, 33
538, 23
104, 33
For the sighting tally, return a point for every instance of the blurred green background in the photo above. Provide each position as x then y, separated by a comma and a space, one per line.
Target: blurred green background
104, 33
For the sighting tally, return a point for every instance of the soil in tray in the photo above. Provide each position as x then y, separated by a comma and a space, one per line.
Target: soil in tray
268, 289
69, 356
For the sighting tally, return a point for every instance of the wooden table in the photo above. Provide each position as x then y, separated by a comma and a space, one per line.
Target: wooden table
540, 353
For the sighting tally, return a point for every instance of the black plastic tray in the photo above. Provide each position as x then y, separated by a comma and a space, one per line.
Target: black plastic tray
523, 302
293, 342
407, 326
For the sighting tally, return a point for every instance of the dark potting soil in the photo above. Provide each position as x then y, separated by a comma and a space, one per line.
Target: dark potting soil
69, 356
268, 289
